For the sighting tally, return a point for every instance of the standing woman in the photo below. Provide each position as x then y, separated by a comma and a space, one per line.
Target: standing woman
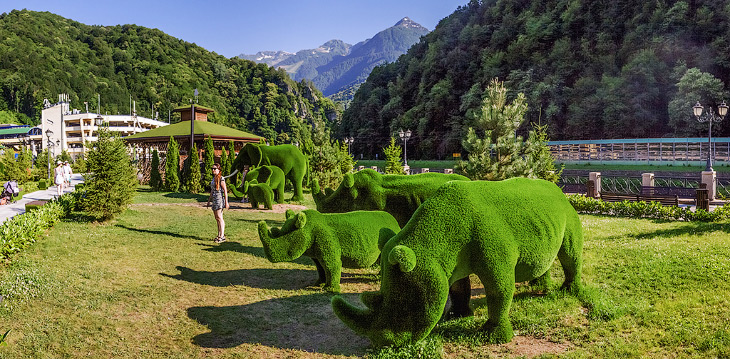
58, 177
219, 197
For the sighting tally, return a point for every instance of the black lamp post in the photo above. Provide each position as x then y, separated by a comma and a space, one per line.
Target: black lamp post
349, 141
49, 133
710, 117
405, 136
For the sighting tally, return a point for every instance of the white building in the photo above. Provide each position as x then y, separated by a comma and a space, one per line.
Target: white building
68, 129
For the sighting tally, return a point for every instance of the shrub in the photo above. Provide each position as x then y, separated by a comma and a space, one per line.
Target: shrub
111, 181
192, 172
172, 166
393, 165
23, 230
155, 176
208, 161
641, 209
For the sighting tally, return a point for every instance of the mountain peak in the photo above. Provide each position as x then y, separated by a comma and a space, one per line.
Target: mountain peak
407, 22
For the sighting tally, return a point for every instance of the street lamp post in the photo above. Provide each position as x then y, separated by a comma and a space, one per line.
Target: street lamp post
349, 141
710, 117
405, 136
49, 133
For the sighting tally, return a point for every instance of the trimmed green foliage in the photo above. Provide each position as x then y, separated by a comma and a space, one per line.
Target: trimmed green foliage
42, 185
641, 209
34, 205
393, 165
111, 182
208, 161
271, 175
225, 165
261, 193
172, 166
369, 190
333, 241
347, 162
24, 229
504, 232
155, 176
192, 172
287, 157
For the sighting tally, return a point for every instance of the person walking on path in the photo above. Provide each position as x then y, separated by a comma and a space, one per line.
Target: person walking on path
219, 197
58, 178
67, 172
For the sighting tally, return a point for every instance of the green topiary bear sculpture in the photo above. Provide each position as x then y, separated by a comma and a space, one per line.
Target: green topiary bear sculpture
271, 175
260, 193
287, 157
333, 241
369, 190
504, 232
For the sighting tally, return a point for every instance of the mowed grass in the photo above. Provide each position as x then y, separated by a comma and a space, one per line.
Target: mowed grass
151, 284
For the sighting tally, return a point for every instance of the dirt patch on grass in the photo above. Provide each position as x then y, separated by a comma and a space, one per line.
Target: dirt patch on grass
520, 346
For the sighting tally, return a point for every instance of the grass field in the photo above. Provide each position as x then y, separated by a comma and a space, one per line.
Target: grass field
151, 284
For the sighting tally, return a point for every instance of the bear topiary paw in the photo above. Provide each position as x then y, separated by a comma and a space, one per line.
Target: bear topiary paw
498, 333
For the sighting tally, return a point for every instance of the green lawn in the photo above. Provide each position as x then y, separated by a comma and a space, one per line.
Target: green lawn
151, 284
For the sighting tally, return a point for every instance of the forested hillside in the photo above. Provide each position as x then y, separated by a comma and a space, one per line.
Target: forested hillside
42, 55
589, 69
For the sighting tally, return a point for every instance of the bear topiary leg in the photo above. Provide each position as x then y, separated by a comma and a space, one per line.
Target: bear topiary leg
498, 326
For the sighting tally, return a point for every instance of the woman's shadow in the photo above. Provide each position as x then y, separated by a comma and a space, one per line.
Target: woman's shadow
304, 322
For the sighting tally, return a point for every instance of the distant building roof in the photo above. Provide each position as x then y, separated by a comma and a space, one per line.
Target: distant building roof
200, 128
15, 130
198, 108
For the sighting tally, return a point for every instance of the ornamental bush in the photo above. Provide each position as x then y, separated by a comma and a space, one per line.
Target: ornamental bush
23, 230
155, 176
111, 181
641, 209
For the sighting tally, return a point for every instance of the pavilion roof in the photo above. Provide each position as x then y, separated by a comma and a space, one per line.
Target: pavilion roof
200, 128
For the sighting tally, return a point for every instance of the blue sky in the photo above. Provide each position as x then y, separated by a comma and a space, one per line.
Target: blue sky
231, 27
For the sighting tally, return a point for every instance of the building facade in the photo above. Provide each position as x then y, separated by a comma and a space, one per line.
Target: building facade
66, 129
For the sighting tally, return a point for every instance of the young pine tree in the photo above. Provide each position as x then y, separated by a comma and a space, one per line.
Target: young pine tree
172, 167
393, 164
155, 177
208, 161
111, 180
347, 162
193, 170
495, 150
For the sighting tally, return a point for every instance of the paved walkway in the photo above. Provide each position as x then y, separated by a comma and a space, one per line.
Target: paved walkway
11, 210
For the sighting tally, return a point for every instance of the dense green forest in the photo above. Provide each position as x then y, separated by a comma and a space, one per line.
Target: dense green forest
589, 70
42, 55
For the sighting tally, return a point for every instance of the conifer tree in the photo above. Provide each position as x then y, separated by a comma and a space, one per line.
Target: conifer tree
111, 181
495, 150
229, 166
325, 156
393, 163
208, 160
225, 169
193, 184
155, 177
172, 167
347, 162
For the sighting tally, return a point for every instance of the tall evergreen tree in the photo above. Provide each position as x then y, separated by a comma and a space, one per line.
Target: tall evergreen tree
193, 184
393, 164
208, 160
155, 176
111, 181
172, 166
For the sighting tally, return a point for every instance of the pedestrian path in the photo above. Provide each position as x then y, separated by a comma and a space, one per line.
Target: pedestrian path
13, 209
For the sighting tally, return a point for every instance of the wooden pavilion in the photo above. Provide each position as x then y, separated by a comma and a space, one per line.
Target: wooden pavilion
158, 138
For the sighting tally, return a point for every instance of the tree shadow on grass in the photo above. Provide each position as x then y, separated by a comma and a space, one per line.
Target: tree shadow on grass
283, 279
171, 234
690, 228
304, 323
200, 197
234, 247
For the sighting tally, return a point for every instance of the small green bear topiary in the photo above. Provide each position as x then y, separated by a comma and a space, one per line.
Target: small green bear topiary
333, 241
271, 175
260, 193
504, 232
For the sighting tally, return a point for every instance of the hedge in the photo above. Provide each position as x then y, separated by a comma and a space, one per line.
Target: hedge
23, 230
641, 209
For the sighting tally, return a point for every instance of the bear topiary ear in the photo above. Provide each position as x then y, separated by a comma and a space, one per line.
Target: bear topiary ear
301, 220
289, 213
404, 257
348, 180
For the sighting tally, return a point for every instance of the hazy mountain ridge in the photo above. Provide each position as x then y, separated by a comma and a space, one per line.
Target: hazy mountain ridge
337, 65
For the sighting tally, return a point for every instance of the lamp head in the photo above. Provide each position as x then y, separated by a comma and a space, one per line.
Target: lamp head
697, 108
400, 133
408, 134
722, 109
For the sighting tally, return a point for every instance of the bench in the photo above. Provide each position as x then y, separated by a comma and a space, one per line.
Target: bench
664, 200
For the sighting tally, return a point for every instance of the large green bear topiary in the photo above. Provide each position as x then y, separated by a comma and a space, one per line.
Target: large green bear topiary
287, 157
271, 175
504, 232
369, 190
333, 241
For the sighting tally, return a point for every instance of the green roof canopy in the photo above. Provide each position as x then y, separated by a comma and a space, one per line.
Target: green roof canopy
19, 130
200, 129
